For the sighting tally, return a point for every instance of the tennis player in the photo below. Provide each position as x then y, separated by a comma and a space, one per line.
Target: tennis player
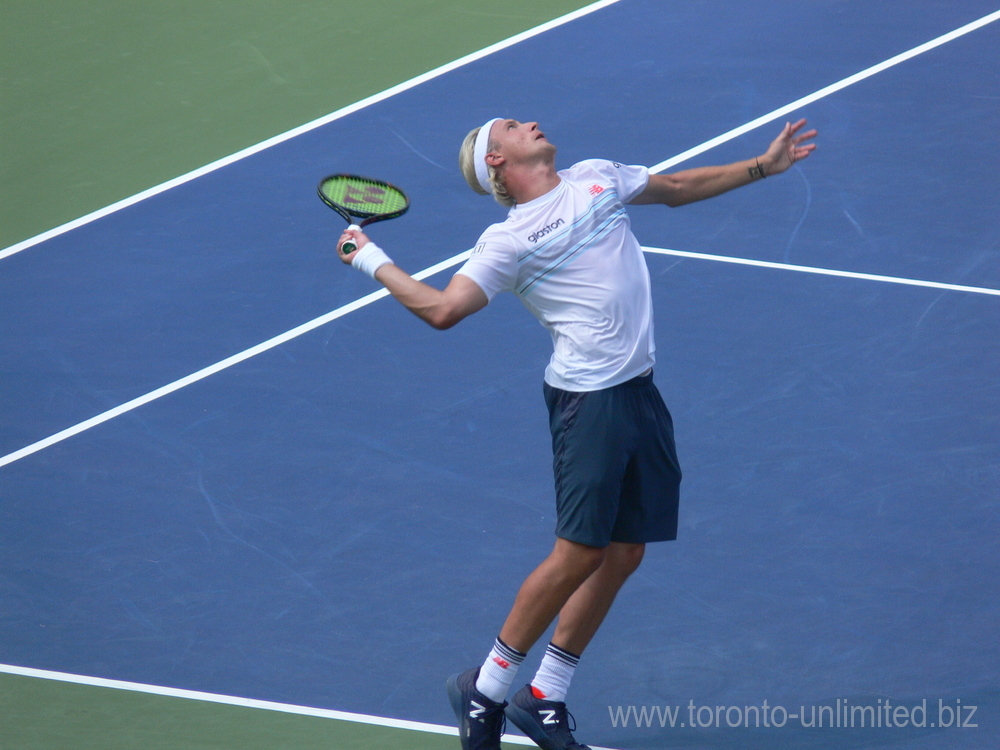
567, 250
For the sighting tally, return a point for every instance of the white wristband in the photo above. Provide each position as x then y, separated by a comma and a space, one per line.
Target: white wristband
370, 258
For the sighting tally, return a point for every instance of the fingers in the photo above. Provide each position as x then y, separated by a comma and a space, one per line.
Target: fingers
799, 148
791, 130
807, 136
790, 146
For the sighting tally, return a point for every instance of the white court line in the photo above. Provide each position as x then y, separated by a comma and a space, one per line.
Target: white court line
325, 120
212, 369
824, 271
831, 89
229, 700
294, 333
485, 52
223, 365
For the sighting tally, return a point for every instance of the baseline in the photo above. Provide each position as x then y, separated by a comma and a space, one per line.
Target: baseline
230, 700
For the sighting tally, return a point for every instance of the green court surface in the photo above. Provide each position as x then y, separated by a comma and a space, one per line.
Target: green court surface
48, 715
104, 100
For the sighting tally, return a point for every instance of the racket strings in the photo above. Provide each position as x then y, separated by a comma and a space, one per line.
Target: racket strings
363, 197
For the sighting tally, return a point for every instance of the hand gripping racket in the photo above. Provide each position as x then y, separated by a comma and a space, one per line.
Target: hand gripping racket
362, 198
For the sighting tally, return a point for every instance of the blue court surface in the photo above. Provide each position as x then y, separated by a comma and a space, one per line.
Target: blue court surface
342, 520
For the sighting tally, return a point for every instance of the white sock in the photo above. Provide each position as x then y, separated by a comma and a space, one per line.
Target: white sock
497, 672
551, 683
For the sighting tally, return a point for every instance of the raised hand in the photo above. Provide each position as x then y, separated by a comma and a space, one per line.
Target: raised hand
789, 147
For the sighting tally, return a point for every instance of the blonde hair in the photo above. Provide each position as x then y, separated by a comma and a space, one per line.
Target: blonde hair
466, 163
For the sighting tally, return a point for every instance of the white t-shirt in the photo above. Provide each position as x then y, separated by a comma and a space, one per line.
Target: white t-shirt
571, 257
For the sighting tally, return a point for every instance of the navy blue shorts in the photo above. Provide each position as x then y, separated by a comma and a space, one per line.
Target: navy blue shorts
615, 463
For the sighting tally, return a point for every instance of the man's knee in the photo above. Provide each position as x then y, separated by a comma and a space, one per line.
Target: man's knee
626, 558
580, 558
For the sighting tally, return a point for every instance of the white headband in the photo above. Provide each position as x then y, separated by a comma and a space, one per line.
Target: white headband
479, 155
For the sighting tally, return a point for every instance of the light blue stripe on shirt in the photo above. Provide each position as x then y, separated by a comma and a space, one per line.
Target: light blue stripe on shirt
541, 262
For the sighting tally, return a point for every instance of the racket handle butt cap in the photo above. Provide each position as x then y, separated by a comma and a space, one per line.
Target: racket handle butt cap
350, 246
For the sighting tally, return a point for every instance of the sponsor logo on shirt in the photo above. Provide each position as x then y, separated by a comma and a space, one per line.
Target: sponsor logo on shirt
535, 236
596, 190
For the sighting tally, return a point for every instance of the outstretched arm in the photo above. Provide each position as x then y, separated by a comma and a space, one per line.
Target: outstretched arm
438, 308
697, 184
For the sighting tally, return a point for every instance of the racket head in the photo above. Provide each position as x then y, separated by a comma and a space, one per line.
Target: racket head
362, 198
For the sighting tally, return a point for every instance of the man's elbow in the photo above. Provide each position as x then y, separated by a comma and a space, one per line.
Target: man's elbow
675, 192
441, 322
460, 300
443, 318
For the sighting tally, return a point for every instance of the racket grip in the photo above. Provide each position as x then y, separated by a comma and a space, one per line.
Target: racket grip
349, 247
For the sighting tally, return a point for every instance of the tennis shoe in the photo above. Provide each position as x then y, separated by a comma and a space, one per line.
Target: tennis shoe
545, 722
480, 721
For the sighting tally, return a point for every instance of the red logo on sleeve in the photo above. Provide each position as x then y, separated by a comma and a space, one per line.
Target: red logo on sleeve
596, 190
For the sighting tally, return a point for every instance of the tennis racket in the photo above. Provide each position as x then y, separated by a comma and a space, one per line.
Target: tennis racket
361, 199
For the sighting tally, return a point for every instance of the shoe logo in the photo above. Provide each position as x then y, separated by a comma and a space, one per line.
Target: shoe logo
503, 664
550, 717
476, 711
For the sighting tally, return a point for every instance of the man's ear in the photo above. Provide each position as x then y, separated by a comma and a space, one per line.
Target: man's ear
494, 159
